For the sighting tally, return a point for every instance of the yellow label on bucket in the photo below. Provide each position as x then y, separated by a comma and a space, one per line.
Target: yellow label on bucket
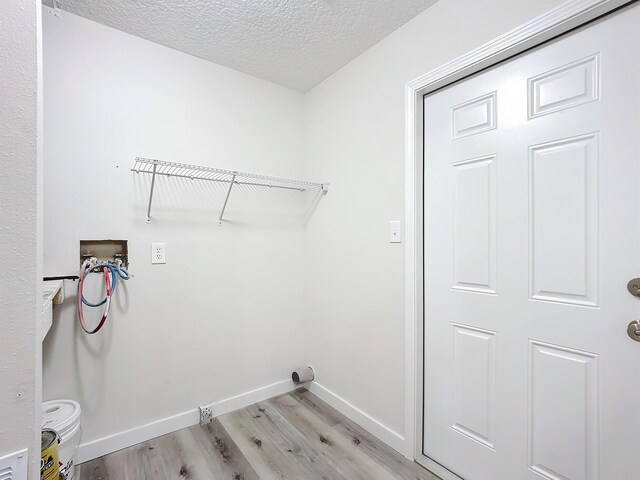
49, 458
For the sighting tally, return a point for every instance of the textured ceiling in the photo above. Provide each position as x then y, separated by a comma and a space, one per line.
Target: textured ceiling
296, 43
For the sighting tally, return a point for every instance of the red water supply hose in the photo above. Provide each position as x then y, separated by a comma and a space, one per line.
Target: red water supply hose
105, 313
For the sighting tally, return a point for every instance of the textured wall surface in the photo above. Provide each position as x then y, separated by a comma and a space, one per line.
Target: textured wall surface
222, 316
355, 138
20, 290
293, 43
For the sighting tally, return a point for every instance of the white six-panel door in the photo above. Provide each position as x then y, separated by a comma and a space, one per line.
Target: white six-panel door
532, 230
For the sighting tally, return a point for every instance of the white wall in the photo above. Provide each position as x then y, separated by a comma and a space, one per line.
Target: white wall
355, 138
223, 316
20, 290
235, 299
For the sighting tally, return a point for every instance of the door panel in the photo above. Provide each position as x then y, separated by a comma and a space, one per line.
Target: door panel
474, 353
475, 225
563, 412
564, 87
532, 173
563, 214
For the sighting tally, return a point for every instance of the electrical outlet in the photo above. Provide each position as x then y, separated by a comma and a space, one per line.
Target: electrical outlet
206, 414
158, 253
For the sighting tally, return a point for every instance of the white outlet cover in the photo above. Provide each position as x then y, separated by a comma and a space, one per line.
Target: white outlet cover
158, 253
14, 466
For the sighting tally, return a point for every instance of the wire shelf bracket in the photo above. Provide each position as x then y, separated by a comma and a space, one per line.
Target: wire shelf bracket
226, 199
195, 172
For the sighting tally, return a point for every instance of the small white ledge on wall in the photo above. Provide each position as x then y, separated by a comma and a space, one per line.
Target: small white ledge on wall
52, 294
195, 172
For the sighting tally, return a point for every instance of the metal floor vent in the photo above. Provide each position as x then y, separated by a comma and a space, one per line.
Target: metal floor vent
14, 466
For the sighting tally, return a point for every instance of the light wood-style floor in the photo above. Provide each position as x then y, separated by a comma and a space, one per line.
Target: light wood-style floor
295, 436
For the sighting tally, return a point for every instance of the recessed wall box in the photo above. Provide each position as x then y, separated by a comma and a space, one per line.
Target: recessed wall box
105, 250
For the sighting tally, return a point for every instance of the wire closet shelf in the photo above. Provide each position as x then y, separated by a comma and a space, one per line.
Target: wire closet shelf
195, 172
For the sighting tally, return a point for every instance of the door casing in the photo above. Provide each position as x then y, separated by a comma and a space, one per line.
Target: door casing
558, 21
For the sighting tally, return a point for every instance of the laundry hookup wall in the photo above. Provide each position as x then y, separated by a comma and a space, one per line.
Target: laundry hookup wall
222, 316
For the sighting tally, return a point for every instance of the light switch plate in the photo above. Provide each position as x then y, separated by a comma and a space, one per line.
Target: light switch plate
395, 231
158, 253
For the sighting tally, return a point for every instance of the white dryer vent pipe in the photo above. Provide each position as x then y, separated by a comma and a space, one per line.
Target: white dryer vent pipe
303, 375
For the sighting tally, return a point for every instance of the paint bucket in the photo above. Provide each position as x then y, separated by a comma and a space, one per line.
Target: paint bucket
49, 456
63, 416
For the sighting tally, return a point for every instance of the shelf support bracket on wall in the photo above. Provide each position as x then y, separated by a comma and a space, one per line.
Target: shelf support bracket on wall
224, 207
153, 182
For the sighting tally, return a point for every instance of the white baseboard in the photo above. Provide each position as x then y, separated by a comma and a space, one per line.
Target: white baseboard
118, 441
370, 424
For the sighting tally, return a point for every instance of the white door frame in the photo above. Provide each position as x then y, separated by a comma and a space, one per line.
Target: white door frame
561, 19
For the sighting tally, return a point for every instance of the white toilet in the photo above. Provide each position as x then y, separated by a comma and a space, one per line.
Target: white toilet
63, 416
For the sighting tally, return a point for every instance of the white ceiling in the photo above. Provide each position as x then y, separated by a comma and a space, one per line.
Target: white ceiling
295, 43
